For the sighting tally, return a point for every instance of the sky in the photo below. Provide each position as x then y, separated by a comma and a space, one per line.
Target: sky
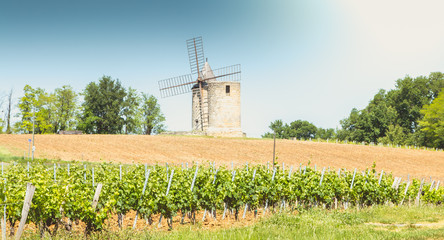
311, 60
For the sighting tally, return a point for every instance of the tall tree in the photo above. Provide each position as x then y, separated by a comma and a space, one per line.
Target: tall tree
8, 111
152, 117
408, 98
388, 112
436, 83
356, 127
66, 107
38, 104
394, 135
278, 127
297, 129
328, 133
1, 120
301, 129
131, 113
381, 115
433, 122
102, 107
26, 106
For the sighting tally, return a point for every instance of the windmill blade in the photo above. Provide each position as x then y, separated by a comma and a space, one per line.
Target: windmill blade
176, 85
227, 74
195, 54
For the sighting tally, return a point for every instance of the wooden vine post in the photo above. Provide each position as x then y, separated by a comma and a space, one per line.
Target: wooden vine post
30, 189
418, 197
96, 196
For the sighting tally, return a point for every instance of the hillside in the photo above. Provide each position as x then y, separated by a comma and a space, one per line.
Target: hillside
181, 149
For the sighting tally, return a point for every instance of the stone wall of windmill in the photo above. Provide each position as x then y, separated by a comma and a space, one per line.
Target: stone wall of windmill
224, 109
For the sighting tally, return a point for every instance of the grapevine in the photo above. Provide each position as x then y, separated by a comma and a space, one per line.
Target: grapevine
64, 195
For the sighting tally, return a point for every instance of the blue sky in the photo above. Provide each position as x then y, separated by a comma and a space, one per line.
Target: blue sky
312, 60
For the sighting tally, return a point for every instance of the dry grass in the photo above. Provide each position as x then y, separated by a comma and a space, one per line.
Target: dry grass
180, 149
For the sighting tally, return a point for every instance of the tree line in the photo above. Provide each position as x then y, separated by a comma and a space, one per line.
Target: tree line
411, 114
103, 107
299, 129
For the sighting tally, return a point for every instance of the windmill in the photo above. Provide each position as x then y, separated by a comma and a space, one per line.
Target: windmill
208, 112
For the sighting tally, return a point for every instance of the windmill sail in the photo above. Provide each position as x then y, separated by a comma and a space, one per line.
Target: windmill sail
225, 74
195, 54
176, 85
183, 84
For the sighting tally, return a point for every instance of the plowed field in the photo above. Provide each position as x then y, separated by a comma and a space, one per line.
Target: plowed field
181, 149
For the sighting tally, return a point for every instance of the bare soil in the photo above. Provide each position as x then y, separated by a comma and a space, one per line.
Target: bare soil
182, 149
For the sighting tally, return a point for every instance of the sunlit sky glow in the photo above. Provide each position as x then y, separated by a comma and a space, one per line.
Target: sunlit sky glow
312, 60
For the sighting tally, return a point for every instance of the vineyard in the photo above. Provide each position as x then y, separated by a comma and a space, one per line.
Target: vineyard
71, 193
127, 149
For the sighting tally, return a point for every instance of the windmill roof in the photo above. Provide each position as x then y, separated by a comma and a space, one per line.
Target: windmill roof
207, 72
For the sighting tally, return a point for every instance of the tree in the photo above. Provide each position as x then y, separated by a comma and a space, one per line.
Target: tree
328, 133
394, 135
102, 107
433, 122
399, 107
8, 111
411, 95
436, 83
301, 129
131, 113
297, 129
37, 103
26, 106
371, 123
277, 127
152, 117
408, 98
381, 116
356, 127
66, 107
1, 120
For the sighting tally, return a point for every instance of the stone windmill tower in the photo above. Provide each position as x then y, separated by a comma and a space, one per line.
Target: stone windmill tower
215, 94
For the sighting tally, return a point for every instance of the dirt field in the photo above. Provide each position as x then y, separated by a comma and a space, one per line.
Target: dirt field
180, 149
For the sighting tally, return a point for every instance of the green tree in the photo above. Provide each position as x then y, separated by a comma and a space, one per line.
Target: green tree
277, 127
152, 117
26, 105
381, 115
131, 113
1, 125
9, 105
356, 127
103, 107
328, 133
408, 98
398, 107
301, 129
394, 135
297, 129
66, 107
2, 122
433, 122
436, 83
38, 103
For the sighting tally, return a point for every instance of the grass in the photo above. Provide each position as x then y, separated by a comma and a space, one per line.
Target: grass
6, 156
311, 224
